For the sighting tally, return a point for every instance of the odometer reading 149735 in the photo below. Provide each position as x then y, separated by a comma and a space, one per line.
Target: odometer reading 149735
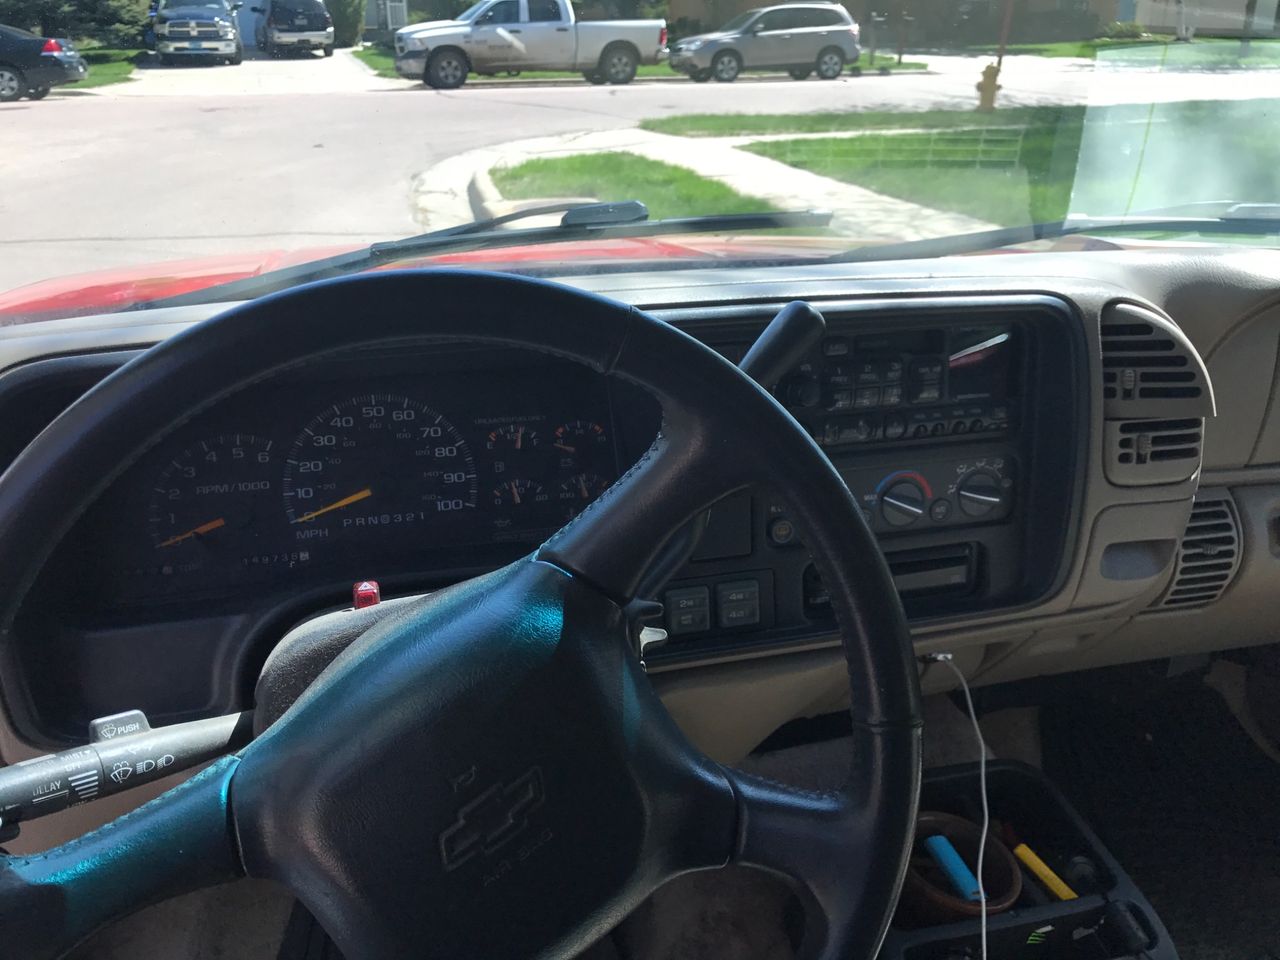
375, 462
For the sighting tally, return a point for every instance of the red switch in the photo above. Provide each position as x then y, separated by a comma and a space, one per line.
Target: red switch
365, 594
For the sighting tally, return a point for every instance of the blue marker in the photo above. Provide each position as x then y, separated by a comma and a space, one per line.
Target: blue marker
958, 873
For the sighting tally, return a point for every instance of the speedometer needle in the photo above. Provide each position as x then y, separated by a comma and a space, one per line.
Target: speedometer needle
337, 505
193, 532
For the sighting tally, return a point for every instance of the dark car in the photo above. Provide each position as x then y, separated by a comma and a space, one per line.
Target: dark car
198, 29
294, 25
31, 66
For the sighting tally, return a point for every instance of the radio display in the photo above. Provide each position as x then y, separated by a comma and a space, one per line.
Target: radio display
979, 363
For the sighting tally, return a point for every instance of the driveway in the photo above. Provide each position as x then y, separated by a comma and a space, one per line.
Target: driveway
292, 73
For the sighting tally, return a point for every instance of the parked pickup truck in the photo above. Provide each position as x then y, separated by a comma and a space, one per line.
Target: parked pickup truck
509, 36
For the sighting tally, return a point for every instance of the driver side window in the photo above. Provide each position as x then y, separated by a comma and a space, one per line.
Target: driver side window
508, 11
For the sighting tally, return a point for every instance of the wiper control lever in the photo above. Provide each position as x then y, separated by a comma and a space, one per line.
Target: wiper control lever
123, 752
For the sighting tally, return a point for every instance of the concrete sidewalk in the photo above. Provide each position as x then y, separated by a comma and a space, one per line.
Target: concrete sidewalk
460, 189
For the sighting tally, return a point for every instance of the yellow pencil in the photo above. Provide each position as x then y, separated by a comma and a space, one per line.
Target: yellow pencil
1041, 869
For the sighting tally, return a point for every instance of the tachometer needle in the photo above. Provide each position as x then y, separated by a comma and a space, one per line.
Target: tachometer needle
336, 505
193, 532
515, 493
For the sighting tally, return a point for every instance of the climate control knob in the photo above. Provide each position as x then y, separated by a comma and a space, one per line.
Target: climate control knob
802, 390
902, 503
980, 493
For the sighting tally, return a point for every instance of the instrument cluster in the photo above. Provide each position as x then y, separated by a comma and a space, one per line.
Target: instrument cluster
359, 467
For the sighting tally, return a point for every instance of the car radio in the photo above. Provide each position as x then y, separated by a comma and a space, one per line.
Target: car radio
906, 385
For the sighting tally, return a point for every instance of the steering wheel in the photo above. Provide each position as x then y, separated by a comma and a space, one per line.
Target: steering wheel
487, 772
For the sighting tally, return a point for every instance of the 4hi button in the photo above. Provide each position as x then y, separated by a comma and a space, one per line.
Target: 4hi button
738, 603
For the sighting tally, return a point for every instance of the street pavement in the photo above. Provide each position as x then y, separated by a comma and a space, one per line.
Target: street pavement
312, 152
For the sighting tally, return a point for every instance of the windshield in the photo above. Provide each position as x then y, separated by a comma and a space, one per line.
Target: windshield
144, 163
469, 14
192, 4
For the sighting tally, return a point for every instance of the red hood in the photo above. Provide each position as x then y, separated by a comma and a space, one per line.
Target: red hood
108, 290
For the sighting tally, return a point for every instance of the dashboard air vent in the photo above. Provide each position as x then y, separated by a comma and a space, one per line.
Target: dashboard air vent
1149, 368
1141, 452
1209, 554
1155, 396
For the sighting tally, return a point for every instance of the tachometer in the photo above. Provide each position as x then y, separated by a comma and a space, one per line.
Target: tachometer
211, 496
373, 462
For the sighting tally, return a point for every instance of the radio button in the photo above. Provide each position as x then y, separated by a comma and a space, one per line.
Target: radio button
867, 372
891, 395
892, 371
835, 347
930, 392
866, 398
894, 427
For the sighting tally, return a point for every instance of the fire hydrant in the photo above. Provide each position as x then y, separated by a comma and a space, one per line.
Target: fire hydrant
987, 88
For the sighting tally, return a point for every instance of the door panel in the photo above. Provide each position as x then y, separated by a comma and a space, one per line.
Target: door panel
772, 40
547, 35
491, 43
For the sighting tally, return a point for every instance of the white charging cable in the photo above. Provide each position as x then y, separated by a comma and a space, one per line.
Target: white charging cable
982, 786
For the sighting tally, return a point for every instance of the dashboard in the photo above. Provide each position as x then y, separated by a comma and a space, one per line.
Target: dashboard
1034, 446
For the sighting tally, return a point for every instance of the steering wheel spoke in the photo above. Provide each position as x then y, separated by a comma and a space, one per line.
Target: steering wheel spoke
823, 842
181, 841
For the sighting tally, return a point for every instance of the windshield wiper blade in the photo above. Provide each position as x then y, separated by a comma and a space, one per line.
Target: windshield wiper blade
581, 221
962, 243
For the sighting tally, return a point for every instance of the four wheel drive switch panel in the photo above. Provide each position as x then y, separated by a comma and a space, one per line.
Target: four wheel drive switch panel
689, 609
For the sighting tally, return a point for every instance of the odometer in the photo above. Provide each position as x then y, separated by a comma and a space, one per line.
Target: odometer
374, 462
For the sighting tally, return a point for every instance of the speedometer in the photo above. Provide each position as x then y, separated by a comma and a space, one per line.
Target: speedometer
373, 462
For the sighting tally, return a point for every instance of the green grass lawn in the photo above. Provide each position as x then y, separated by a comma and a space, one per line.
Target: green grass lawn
383, 62
1043, 162
107, 66
890, 60
667, 190
1205, 54
742, 124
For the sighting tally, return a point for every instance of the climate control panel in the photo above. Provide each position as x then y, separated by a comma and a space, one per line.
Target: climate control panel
935, 494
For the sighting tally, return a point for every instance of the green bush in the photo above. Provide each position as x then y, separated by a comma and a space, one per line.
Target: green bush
348, 21
113, 22
1124, 30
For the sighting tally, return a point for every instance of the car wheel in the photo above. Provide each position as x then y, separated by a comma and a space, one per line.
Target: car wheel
619, 64
38, 93
726, 66
700, 76
593, 76
830, 64
446, 70
328, 49
12, 84
237, 58
799, 74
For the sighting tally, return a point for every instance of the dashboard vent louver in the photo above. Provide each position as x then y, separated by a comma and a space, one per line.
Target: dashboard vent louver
1155, 394
1141, 452
1209, 554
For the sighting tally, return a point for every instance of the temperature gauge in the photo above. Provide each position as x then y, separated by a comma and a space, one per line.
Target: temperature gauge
579, 490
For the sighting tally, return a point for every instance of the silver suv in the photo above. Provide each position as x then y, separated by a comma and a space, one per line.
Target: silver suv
801, 38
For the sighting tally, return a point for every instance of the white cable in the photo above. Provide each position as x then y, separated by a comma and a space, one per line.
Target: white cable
982, 786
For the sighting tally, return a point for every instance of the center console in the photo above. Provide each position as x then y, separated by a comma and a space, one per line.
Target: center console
948, 421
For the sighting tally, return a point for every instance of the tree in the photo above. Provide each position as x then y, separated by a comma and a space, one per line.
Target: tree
109, 20
348, 21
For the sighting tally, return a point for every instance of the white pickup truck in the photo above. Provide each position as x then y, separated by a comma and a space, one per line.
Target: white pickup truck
510, 36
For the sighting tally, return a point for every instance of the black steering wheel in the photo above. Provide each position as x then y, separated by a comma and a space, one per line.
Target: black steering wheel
487, 772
